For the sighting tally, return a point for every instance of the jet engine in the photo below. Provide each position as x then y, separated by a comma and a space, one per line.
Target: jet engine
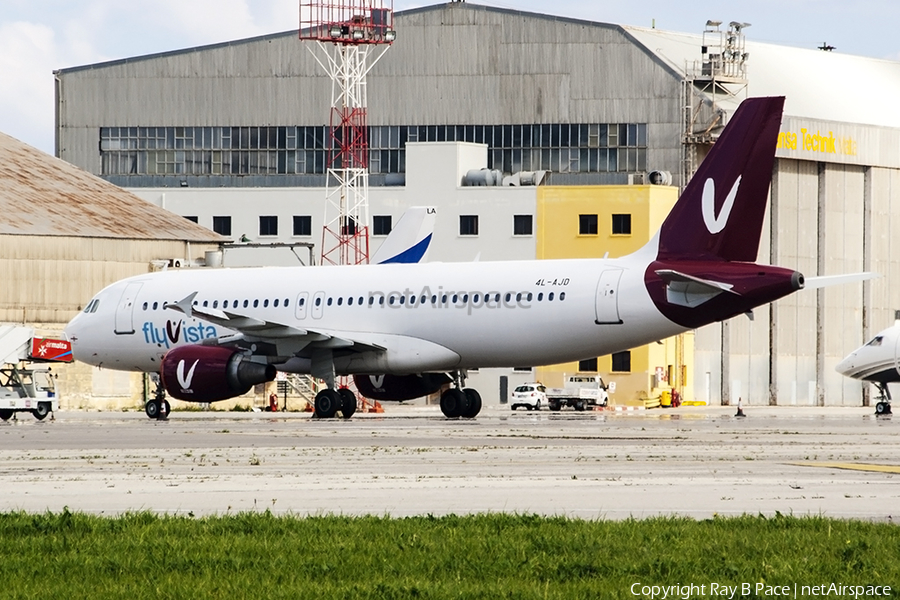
210, 373
399, 387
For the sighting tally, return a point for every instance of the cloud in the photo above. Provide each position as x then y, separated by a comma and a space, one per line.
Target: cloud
27, 56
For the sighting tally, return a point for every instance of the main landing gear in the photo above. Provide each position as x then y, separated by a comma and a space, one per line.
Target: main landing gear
460, 401
883, 406
329, 401
158, 407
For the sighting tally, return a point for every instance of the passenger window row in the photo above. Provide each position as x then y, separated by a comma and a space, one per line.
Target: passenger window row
415, 300
382, 300
256, 303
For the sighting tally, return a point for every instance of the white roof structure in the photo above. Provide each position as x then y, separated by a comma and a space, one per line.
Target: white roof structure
817, 85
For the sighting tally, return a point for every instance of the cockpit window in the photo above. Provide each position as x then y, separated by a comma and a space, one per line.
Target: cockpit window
92, 306
876, 341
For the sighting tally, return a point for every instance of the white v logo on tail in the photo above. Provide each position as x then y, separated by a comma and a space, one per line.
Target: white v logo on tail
185, 382
714, 223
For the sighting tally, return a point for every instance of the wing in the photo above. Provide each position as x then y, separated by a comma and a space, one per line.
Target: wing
287, 339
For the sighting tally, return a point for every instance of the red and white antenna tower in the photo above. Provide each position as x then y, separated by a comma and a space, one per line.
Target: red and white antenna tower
344, 32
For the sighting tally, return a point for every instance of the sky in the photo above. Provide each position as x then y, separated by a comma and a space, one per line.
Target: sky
40, 36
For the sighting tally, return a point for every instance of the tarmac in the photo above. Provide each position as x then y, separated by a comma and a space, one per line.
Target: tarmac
410, 460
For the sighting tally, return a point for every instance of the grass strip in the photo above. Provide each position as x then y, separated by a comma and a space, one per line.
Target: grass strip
258, 555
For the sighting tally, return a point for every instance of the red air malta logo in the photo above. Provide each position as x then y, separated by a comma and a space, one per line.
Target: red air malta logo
716, 223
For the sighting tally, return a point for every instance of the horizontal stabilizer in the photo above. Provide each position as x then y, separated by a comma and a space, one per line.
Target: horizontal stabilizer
686, 290
812, 283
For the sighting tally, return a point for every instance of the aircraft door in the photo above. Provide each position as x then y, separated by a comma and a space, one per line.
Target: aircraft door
318, 303
125, 309
607, 300
302, 305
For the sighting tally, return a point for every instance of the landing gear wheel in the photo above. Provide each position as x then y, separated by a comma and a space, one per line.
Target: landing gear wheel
883, 408
453, 403
474, 407
6, 414
328, 402
42, 410
348, 402
152, 409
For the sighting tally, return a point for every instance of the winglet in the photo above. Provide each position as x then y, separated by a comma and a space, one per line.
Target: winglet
185, 305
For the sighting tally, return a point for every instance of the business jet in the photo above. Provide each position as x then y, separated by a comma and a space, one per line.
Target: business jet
877, 361
406, 330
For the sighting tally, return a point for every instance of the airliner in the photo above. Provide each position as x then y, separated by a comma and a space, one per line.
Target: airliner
877, 361
407, 329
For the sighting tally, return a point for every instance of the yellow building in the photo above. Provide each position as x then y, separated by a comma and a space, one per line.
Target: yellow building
589, 222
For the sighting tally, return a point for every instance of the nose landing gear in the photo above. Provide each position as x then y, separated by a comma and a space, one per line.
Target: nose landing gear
883, 406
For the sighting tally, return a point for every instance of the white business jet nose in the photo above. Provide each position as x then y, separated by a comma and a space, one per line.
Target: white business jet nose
848, 365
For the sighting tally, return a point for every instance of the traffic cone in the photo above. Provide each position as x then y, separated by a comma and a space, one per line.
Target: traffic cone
740, 411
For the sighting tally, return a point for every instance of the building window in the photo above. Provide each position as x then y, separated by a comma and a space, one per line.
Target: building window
268, 225
587, 366
521, 369
381, 224
303, 225
621, 362
222, 225
349, 226
621, 224
191, 219
304, 150
523, 225
468, 225
587, 224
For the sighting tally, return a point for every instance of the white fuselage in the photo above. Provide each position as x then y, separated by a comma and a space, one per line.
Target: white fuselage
878, 360
452, 315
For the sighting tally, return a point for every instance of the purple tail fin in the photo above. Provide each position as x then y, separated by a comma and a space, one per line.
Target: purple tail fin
720, 214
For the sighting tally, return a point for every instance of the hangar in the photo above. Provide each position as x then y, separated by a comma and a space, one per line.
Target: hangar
64, 235
234, 136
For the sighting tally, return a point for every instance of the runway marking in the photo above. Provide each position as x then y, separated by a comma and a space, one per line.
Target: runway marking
852, 466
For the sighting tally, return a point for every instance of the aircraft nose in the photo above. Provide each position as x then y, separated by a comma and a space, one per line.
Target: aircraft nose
72, 333
847, 365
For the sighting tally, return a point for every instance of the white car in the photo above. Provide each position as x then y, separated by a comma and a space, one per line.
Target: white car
530, 395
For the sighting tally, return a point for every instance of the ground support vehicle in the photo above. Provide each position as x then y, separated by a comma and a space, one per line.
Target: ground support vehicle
581, 392
26, 381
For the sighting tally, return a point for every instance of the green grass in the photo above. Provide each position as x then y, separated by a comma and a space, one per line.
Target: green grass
72, 555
